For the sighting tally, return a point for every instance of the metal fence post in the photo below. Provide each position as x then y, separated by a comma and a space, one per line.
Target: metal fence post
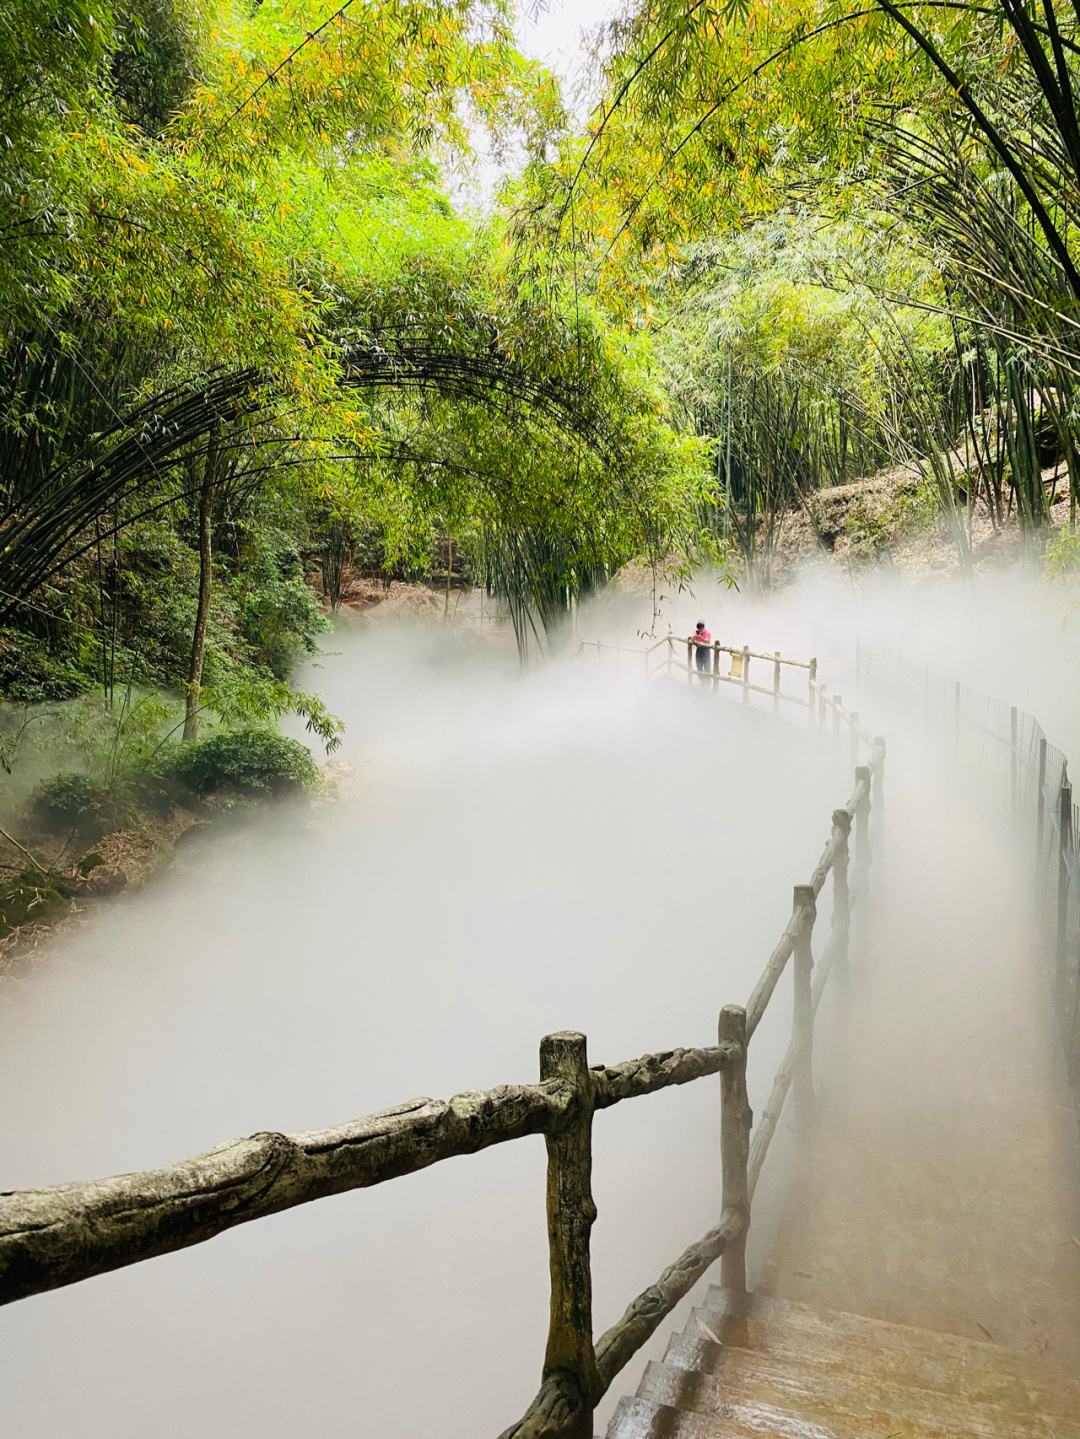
716, 664
735, 1122
811, 689
776, 682
803, 1007
841, 893
746, 674
690, 661
570, 1217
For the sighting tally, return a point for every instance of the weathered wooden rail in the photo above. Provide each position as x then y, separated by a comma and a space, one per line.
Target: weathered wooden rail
1033, 775
53, 1237
825, 710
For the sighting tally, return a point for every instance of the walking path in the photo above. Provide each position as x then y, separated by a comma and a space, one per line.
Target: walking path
942, 1188
924, 1279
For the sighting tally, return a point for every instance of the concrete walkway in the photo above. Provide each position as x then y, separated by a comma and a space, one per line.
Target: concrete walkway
941, 1186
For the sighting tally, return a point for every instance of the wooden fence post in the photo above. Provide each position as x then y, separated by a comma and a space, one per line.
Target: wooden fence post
1064, 856
841, 893
877, 792
823, 702
836, 704
690, 661
735, 1122
570, 1216
803, 1008
811, 689
1040, 817
854, 737
862, 830
776, 682
746, 674
716, 664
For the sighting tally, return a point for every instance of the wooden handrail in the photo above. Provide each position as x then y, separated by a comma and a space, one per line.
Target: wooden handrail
655, 1071
53, 1237
1056, 824
773, 658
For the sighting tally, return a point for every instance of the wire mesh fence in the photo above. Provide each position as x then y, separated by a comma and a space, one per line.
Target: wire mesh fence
1035, 775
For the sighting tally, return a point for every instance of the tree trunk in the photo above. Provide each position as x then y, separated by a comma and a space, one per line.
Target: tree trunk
207, 494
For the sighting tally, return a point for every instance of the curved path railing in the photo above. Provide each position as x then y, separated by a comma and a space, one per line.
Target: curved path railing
53, 1237
1035, 774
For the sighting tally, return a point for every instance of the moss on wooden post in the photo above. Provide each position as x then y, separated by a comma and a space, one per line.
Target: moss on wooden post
570, 1217
803, 1008
735, 1121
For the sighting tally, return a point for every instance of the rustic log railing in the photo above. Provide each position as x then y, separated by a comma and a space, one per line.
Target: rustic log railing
826, 711
53, 1237
1033, 781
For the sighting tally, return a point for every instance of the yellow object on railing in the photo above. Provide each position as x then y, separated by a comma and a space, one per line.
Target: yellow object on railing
738, 665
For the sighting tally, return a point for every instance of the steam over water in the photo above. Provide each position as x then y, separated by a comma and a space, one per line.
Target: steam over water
512, 855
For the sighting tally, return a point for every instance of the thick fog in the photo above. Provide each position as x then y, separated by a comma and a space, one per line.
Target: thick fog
509, 854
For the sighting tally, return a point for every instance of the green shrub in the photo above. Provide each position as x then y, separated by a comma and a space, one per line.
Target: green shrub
1063, 553
76, 804
251, 761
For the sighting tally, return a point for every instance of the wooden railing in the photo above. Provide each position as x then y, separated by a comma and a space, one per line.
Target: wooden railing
1034, 776
53, 1237
660, 657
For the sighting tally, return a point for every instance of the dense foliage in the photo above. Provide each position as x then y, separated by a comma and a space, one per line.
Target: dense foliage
249, 340
921, 162
243, 324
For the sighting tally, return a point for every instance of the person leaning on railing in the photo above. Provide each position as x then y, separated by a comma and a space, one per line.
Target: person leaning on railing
702, 641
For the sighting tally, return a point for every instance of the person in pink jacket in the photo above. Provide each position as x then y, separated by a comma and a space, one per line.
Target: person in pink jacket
702, 642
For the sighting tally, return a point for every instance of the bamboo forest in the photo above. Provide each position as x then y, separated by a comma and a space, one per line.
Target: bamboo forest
488, 489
